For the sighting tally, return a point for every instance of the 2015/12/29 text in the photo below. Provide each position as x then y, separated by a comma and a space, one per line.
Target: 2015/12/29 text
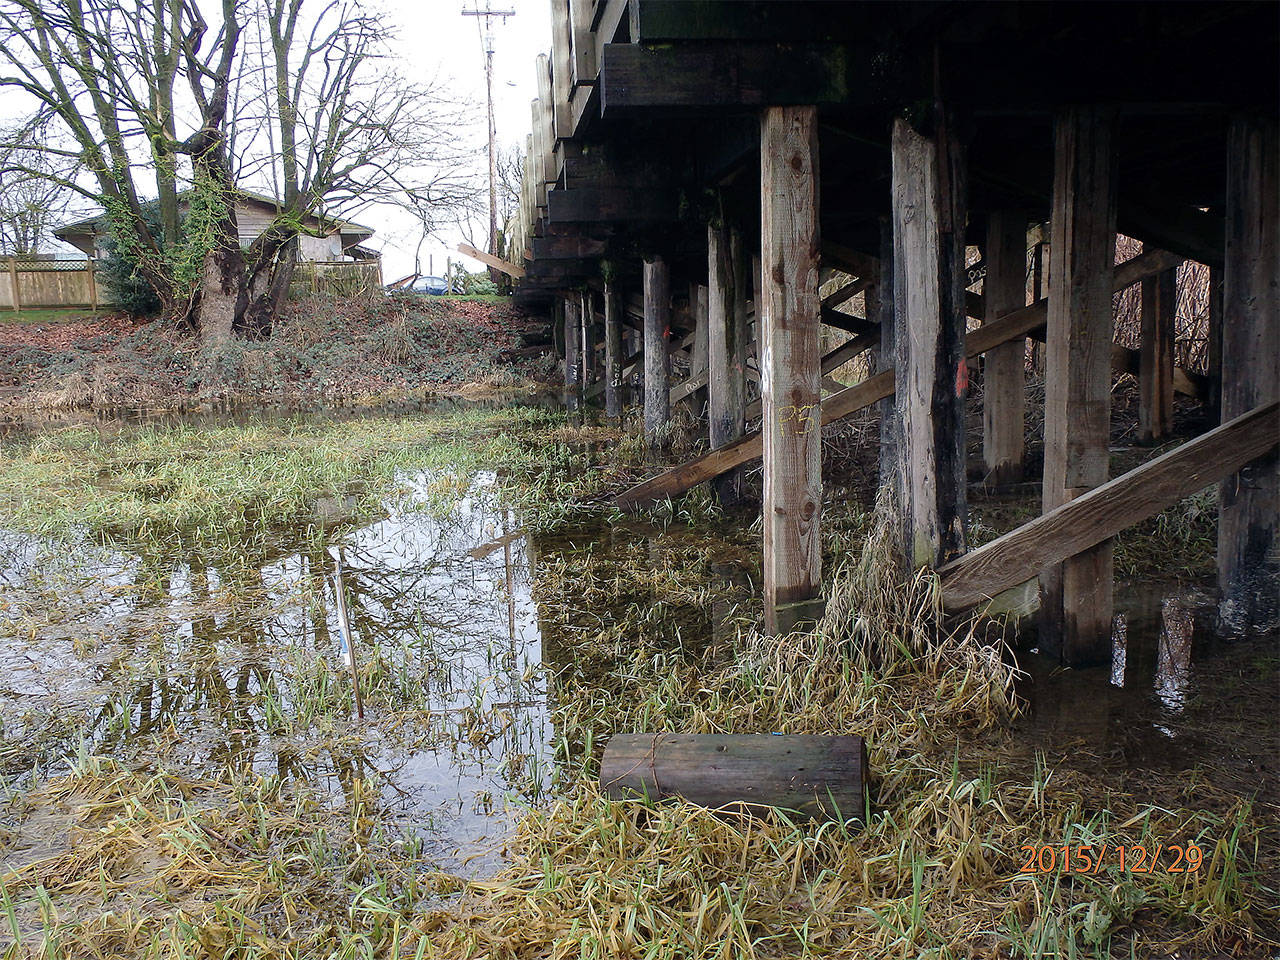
1089, 858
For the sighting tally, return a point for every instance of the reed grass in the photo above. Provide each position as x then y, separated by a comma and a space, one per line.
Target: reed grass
140, 856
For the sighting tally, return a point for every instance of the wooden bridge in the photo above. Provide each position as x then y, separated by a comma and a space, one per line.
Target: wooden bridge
701, 172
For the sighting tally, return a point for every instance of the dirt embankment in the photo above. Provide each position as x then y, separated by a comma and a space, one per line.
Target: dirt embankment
324, 350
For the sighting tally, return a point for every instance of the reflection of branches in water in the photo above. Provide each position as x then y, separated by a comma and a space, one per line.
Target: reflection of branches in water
234, 650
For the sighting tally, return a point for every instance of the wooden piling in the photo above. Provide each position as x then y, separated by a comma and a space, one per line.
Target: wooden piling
890, 429
728, 342
789, 312
1249, 501
572, 352
657, 365
1004, 369
1155, 357
929, 311
1077, 595
613, 387
698, 367
588, 343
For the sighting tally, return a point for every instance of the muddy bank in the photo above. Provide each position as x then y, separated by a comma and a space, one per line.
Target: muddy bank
325, 350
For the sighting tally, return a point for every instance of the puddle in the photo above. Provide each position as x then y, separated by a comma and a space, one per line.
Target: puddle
192, 663
1175, 698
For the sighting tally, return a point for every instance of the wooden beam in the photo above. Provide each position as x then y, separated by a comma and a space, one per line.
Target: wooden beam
1249, 501
1020, 323
789, 321
699, 77
1155, 363
1076, 597
1098, 515
489, 260
657, 365
729, 333
928, 257
1004, 370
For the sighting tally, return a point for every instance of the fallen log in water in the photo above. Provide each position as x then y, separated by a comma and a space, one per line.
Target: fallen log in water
821, 776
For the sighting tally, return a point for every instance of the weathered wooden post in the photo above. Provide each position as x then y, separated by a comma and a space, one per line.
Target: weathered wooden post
1249, 501
613, 387
698, 353
1155, 356
728, 342
657, 365
1076, 597
572, 352
890, 428
789, 318
930, 370
1004, 369
588, 343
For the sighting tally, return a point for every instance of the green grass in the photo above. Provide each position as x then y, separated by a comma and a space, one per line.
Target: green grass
166, 484
47, 314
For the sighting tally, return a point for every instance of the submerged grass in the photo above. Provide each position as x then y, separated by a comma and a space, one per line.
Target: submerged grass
144, 858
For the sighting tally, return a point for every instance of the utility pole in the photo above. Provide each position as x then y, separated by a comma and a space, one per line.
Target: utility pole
484, 19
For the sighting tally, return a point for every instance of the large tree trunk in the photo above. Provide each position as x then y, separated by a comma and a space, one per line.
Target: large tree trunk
268, 288
222, 293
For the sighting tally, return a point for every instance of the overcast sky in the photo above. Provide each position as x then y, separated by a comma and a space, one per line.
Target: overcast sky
435, 39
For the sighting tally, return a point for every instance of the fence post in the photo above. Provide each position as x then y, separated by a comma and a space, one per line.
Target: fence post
93, 285
13, 280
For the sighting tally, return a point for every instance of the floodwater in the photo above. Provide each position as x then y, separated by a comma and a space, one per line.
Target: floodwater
199, 661
196, 663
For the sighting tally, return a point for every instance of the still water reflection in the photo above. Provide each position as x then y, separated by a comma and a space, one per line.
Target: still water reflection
204, 660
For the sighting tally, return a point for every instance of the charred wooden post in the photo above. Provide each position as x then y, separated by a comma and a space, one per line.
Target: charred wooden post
815, 775
613, 385
657, 365
572, 352
929, 311
790, 355
1155, 357
1004, 370
1077, 596
1249, 501
728, 342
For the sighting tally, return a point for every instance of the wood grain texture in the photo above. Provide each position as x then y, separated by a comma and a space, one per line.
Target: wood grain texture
1076, 598
657, 365
613, 381
929, 316
789, 311
819, 776
1004, 369
1093, 517
728, 342
1249, 501
572, 309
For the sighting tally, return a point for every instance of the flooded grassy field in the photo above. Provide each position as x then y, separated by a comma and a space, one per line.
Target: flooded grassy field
189, 773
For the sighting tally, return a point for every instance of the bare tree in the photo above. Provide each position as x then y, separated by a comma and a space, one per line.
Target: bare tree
313, 107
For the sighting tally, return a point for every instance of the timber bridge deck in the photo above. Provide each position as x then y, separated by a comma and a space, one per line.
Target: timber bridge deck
699, 172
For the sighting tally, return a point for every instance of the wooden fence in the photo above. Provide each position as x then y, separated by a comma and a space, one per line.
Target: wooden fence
48, 283
74, 283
